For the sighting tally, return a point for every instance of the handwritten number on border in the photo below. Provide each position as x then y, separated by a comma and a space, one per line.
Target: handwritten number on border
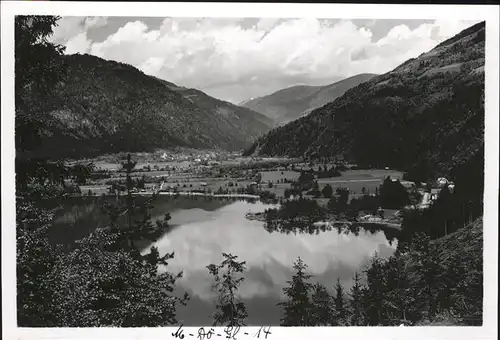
265, 330
229, 330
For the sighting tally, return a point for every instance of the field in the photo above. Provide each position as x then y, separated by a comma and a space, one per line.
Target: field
275, 175
187, 175
356, 180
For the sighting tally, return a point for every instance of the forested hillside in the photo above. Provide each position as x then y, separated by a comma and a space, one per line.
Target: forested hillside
426, 116
104, 106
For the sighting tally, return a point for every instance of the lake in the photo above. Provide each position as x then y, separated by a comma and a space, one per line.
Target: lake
203, 234
205, 228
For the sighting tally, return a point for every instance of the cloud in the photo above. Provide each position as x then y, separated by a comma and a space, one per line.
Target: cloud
96, 21
78, 44
214, 54
265, 24
72, 32
152, 65
67, 28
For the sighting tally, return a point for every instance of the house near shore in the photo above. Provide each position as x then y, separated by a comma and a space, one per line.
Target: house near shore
431, 196
407, 184
426, 201
371, 218
451, 187
441, 182
434, 194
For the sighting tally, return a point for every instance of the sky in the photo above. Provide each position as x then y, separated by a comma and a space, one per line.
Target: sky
235, 59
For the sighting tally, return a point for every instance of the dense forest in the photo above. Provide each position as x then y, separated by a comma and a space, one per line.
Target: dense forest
103, 280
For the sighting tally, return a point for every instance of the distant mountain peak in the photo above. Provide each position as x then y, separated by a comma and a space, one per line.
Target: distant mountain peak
296, 101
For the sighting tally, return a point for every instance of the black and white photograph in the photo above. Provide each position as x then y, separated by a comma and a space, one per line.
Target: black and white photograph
229, 176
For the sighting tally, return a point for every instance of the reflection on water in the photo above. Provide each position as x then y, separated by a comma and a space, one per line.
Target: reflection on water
203, 235
205, 228
79, 216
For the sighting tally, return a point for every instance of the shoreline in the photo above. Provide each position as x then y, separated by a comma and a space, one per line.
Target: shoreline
261, 218
184, 193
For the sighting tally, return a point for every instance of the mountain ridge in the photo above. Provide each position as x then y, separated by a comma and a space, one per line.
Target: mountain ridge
105, 106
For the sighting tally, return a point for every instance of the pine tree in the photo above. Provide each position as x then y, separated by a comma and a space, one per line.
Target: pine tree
339, 303
324, 314
429, 268
327, 191
231, 311
374, 294
343, 194
38, 69
400, 298
333, 206
445, 209
139, 227
298, 309
129, 167
393, 195
356, 312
